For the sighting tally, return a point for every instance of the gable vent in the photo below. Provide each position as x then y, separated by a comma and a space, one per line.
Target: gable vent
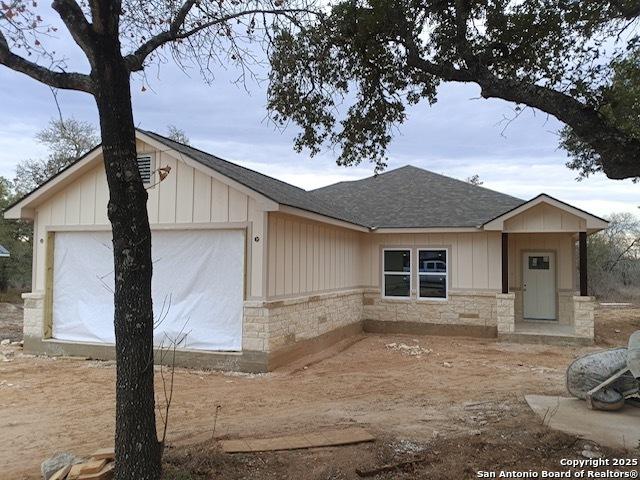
144, 166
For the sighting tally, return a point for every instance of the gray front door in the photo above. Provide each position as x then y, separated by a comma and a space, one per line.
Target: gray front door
539, 285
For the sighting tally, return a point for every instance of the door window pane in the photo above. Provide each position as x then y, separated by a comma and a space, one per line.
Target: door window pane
539, 263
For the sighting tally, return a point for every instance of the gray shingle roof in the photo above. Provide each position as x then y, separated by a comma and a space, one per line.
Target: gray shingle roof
412, 197
408, 197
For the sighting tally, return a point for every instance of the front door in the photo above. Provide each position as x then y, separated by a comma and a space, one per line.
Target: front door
539, 285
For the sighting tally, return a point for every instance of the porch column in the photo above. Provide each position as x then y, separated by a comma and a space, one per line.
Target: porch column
582, 241
505, 262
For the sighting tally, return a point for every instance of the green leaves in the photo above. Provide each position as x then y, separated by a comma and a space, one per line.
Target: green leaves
346, 81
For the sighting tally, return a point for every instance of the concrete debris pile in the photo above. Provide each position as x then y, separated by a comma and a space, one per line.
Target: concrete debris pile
606, 379
411, 350
65, 466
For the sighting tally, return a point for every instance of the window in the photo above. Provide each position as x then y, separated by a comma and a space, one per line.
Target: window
432, 274
145, 167
397, 273
539, 263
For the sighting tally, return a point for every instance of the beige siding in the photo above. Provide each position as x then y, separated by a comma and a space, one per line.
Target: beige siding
310, 257
563, 244
544, 218
186, 196
474, 258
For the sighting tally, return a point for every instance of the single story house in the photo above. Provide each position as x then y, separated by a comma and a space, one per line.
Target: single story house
251, 272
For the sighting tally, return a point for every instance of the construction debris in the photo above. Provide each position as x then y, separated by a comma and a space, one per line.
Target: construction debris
327, 438
411, 350
606, 378
99, 466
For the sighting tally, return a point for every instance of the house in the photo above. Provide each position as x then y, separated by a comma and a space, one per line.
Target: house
251, 272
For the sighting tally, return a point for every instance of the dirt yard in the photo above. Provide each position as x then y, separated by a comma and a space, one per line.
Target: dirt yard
455, 403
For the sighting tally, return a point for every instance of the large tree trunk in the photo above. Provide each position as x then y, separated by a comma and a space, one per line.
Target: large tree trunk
136, 444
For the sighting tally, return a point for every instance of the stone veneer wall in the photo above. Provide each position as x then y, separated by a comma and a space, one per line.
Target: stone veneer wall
476, 308
584, 316
505, 304
272, 325
565, 307
33, 317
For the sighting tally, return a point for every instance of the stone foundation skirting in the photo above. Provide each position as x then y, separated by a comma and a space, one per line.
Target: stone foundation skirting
275, 325
476, 308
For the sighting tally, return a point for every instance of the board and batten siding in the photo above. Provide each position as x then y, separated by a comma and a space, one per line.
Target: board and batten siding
187, 196
563, 244
308, 257
473, 263
545, 218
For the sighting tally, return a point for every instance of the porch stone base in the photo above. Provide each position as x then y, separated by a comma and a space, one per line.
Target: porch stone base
583, 316
506, 319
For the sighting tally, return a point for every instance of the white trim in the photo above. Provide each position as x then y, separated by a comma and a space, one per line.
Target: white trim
154, 226
593, 223
404, 274
298, 212
426, 230
432, 274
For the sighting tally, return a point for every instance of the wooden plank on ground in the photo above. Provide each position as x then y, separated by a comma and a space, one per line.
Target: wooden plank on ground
327, 438
107, 453
92, 466
106, 473
74, 473
61, 474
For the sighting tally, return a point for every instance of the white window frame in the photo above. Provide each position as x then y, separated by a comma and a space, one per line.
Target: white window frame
152, 167
433, 274
404, 274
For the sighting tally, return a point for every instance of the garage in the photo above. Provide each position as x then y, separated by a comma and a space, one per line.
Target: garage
197, 288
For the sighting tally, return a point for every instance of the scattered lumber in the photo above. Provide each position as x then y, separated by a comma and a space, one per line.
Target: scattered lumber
104, 453
99, 466
61, 474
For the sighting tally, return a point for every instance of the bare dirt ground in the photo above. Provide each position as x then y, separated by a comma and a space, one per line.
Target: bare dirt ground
458, 405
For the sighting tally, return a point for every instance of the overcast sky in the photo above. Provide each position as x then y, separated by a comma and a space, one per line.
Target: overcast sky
460, 136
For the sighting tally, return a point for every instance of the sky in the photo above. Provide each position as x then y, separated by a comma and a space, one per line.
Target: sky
461, 135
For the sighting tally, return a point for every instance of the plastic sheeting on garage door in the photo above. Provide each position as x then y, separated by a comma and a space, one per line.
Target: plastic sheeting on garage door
197, 287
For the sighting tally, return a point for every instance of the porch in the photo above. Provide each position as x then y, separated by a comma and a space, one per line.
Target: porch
544, 296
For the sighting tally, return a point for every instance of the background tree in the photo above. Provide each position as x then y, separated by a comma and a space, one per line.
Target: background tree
16, 236
614, 259
378, 56
177, 134
118, 38
474, 180
66, 140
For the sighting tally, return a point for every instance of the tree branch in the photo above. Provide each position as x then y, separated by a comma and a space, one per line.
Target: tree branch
77, 24
135, 60
64, 80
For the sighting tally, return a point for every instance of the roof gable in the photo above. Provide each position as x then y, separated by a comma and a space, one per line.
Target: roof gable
545, 213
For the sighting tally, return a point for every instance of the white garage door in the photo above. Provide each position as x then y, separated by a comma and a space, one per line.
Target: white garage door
197, 287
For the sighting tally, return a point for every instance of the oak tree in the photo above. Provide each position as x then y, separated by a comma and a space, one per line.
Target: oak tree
119, 38
348, 80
